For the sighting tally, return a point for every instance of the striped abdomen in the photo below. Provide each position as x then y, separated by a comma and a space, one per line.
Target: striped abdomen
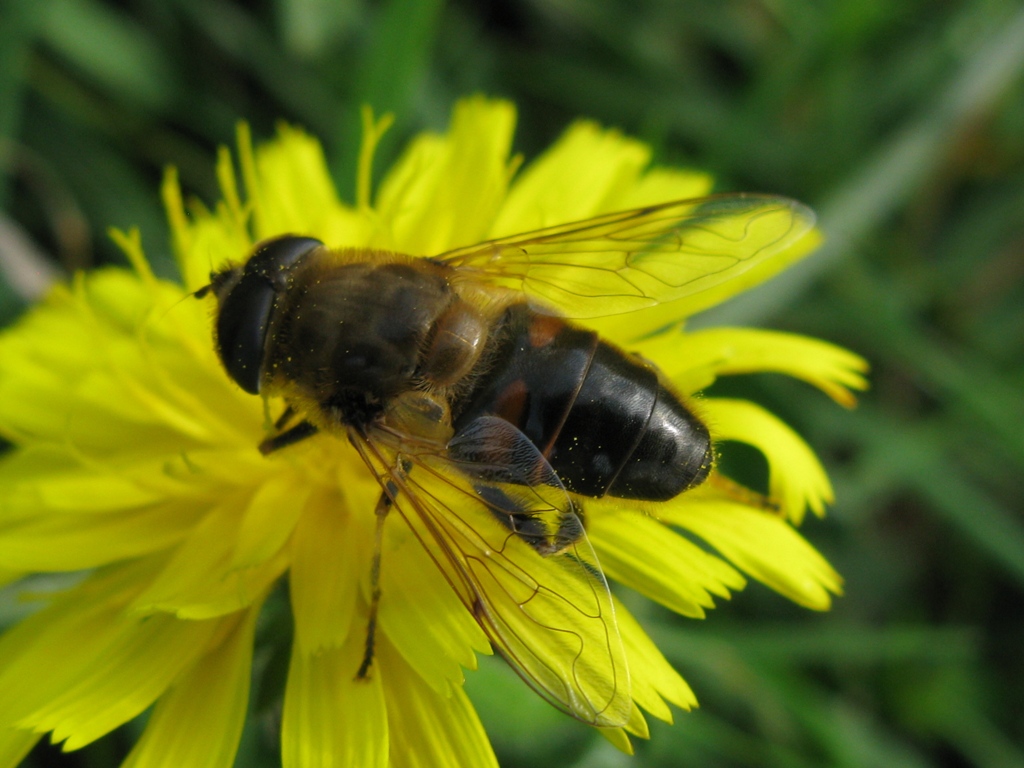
603, 419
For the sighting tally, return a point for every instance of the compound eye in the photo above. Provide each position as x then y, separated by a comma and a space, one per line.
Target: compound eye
244, 316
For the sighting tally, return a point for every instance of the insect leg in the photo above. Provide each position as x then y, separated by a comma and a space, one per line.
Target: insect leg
384, 504
284, 418
383, 507
290, 436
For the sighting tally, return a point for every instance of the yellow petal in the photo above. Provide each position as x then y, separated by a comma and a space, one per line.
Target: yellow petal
330, 555
202, 242
445, 190
62, 483
643, 554
205, 242
657, 185
796, 479
298, 195
430, 730
761, 544
330, 718
269, 518
199, 581
618, 738
237, 214
174, 205
54, 480
50, 542
373, 131
581, 175
426, 621
199, 721
51, 650
130, 243
637, 725
15, 743
34, 384
296, 190
653, 680
694, 360
662, 185
762, 272
100, 387
142, 660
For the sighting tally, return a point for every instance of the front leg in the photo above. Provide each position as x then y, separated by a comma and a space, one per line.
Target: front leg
290, 436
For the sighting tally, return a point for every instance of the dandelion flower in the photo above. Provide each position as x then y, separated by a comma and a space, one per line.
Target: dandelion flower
135, 470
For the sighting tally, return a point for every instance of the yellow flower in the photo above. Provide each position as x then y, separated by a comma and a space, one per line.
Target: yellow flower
135, 468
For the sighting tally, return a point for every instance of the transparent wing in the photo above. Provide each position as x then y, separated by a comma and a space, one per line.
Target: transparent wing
625, 261
501, 527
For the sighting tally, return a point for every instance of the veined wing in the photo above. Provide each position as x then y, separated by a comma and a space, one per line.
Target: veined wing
625, 261
501, 527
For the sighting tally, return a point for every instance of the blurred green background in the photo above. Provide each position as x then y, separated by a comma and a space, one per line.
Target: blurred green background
902, 124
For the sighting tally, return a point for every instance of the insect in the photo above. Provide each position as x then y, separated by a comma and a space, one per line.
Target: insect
487, 415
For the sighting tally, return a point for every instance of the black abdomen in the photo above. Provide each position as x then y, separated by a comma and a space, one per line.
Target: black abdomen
603, 419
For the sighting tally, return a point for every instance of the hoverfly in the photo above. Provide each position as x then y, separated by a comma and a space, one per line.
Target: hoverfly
487, 416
